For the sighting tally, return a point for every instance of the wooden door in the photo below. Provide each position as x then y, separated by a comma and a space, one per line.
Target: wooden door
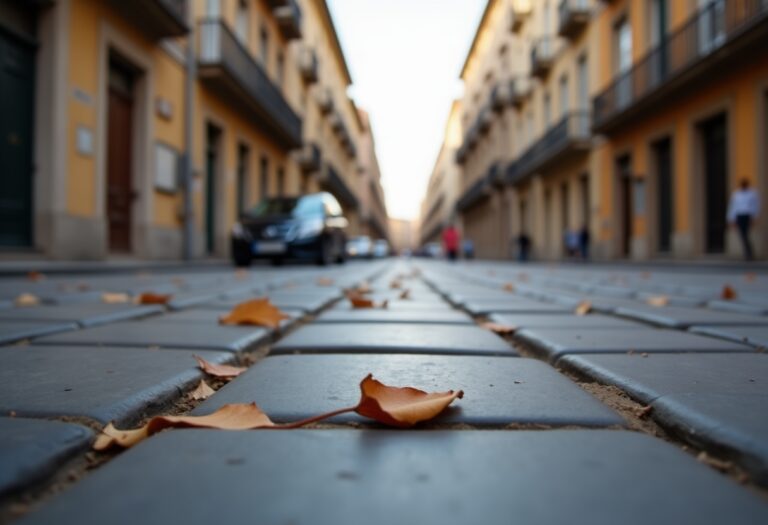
664, 194
119, 161
17, 67
715, 155
624, 176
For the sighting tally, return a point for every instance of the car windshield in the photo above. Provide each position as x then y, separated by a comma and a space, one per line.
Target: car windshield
297, 207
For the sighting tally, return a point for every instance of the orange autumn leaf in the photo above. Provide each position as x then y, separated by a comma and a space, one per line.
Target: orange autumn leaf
728, 293
115, 298
359, 302
240, 416
509, 287
35, 276
26, 299
395, 285
363, 288
153, 298
401, 407
498, 328
657, 301
202, 391
405, 294
259, 312
583, 308
224, 371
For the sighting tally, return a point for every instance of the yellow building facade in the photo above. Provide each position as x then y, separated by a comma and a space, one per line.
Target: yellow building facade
141, 117
632, 120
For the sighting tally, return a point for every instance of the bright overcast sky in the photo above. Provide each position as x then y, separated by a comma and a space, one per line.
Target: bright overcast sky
405, 57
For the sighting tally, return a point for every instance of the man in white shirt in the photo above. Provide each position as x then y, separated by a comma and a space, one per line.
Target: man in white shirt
743, 209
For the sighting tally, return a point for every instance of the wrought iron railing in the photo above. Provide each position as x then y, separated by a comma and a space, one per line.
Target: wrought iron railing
570, 9
476, 192
708, 30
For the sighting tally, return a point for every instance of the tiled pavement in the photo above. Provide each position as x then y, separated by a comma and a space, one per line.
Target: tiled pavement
527, 444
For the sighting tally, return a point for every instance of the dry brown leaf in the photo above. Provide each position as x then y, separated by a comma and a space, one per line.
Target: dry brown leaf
501, 329
358, 301
728, 293
35, 276
259, 312
401, 407
324, 281
395, 285
241, 416
363, 288
224, 371
115, 298
202, 391
153, 298
658, 301
583, 308
26, 299
509, 287
405, 294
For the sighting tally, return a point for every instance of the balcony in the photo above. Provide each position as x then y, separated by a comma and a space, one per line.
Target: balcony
565, 140
573, 16
495, 175
474, 195
720, 36
484, 120
309, 66
518, 14
501, 96
520, 88
325, 100
309, 158
226, 67
472, 137
542, 56
461, 155
288, 16
332, 182
157, 18
338, 126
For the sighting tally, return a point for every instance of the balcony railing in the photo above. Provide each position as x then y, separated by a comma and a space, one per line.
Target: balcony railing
461, 155
571, 135
518, 13
683, 57
495, 175
309, 158
484, 120
542, 56
227, 67
309, 65
501, 96
288, 17
475, 194
325, 100
333, 182
573, 16
520, 88
156, 18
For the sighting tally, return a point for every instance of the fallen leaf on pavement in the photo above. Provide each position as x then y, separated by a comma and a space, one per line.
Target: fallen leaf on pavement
405, 294
358, 301
324, 281
241, 416
658, 301
509, 287
728, 293
363, 288
401, 407
153, 298
259, 312
583, 308
202, 391
27, 299
395, 285
224, 371
35, 276
501, 329
115, 298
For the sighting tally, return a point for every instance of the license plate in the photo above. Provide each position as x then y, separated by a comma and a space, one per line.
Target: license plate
268, 247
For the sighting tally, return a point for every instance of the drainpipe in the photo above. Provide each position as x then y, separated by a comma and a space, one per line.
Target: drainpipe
188, 234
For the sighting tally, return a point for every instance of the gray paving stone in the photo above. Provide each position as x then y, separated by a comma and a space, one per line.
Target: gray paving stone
392, 338
521, 321
756, 336
673, 300
519, 306
717, 401
31, 450
83, 314
402, 305
497, 391
740, 307
680, 317
12, 331
309, 303
440, 316
211, 317
557, 342
383, 477
99, 383
171, 335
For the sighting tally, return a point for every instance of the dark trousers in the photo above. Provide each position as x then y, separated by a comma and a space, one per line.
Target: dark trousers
743, 223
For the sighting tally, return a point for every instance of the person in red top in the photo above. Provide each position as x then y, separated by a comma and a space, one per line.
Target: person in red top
451, 242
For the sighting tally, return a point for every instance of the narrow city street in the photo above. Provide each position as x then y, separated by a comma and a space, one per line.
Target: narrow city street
589, 392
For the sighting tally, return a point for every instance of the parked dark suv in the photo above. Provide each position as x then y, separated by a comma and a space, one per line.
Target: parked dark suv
279, 228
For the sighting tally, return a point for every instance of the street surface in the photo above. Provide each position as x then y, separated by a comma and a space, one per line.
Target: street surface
648, 406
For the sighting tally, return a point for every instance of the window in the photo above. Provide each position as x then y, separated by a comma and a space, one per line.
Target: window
242, 22
264, 178
264, 46
622, 52
564, 106
583, 80
657, 21
280, 69
213, 9
242, 178
280, 181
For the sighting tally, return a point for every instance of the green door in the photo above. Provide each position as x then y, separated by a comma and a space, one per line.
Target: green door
17, 88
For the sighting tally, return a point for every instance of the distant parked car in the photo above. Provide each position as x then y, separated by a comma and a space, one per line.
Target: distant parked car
278, 228
380, 249
360, 247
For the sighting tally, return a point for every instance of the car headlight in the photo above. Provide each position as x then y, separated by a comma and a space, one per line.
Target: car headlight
310, 228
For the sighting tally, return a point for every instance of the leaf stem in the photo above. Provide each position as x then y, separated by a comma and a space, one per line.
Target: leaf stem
314, 419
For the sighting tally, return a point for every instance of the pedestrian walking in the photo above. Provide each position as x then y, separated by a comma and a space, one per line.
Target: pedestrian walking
451, 242
584, 243
468, 246
743, 210
523, 247
571, 241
